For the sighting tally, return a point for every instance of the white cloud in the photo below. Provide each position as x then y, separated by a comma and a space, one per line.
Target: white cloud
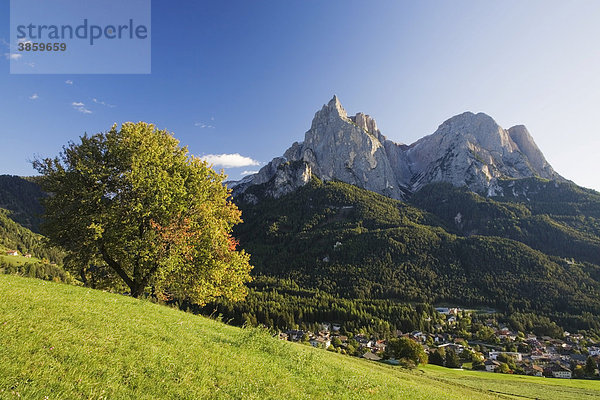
248, 173
83, 110
203, 125
69, 82
12, 56
229, 160
10, 47
34, 96
102, 103
79, 106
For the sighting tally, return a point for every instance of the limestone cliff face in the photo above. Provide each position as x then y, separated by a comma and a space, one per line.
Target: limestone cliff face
473, 150
348, 149
466, 150
278, 178
521, 137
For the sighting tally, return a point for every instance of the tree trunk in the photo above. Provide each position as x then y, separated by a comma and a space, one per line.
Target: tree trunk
82, 274
137, 290
138, 283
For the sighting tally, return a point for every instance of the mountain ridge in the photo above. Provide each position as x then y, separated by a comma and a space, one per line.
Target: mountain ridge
466, 150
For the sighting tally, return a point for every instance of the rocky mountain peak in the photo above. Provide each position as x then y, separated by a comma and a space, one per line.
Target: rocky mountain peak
335, 103
466, 150
331, 111
480, 128
334, 111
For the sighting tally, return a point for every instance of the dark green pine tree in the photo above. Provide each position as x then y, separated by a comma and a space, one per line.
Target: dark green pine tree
437, 358
590, 366
452, 359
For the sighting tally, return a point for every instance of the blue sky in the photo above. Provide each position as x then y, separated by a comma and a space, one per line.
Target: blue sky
247, 77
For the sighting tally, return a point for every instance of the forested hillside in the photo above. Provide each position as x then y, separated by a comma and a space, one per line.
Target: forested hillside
559, 219
20, 211
16, 237
22, 197
357, 244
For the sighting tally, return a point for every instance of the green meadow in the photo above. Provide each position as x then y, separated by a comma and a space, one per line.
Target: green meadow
60, 341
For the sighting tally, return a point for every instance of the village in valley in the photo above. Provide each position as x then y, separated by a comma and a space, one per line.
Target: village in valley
502, 350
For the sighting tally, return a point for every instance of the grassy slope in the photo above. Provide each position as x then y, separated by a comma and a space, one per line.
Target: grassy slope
19, 260
518, 386
16, 260
70, 342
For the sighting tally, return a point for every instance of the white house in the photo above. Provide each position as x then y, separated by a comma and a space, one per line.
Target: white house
558, 371
380, 345
491, 365
534, 370
458, 348
320, 341
516, 356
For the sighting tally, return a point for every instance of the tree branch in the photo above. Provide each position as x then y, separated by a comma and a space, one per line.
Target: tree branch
82, 272
115, 265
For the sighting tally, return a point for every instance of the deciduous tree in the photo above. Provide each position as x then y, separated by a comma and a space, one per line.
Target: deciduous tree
132, 199
406, 348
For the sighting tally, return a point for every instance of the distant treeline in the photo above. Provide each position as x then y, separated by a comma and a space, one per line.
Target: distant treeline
43, 271
282, 305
